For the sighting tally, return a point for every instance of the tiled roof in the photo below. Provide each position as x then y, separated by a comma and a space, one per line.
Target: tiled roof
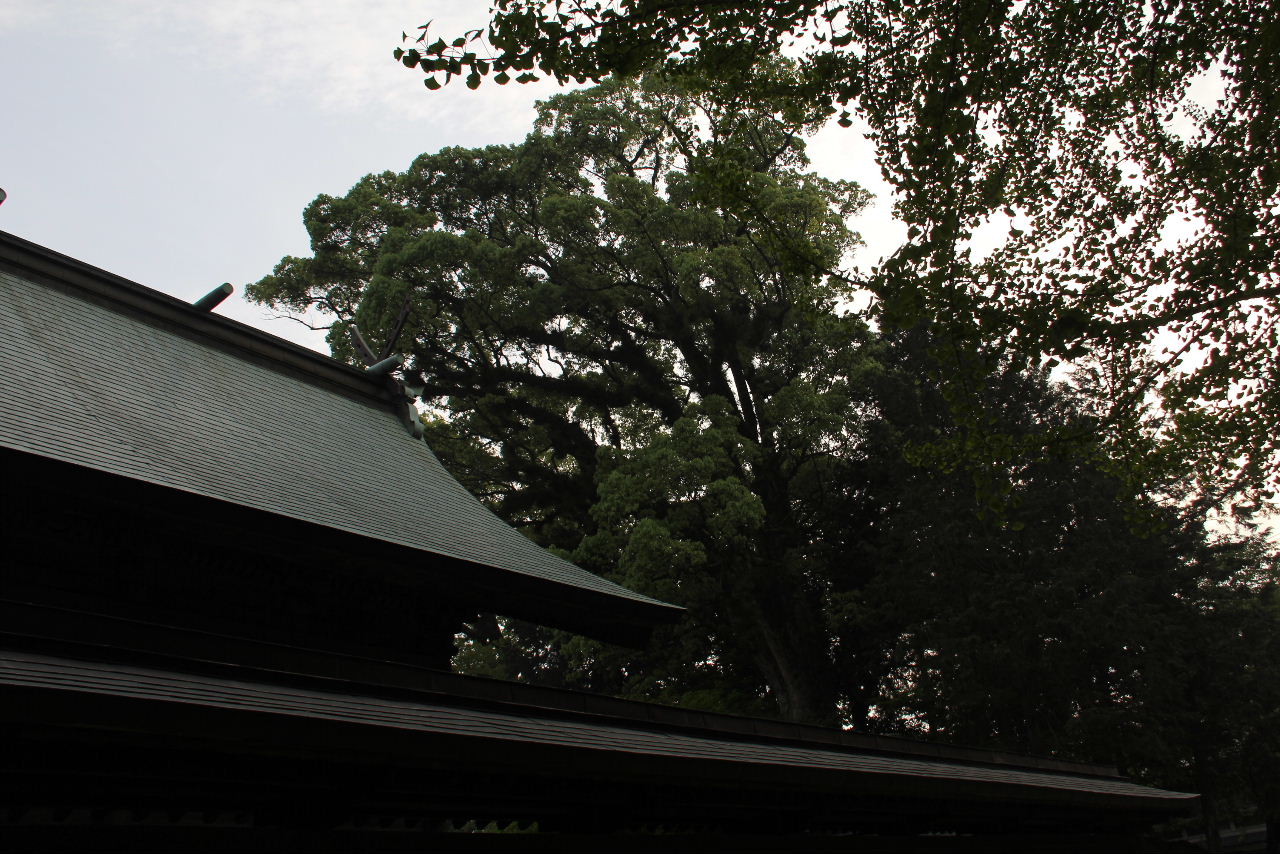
522, 725
114, 377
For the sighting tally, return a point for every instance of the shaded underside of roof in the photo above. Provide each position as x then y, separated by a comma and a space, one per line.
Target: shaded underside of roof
736, 758
111, 388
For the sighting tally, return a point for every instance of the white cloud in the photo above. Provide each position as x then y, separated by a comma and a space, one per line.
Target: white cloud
332, 57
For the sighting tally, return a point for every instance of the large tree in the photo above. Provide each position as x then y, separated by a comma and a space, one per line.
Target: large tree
645, 274
1144, 221
637, 348
632, 330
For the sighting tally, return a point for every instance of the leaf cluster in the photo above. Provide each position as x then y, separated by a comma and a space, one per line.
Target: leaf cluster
1141, 221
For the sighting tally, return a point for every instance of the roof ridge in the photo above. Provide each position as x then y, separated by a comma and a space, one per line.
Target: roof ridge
178, 316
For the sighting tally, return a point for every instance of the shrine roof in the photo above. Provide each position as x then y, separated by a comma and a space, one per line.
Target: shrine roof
106, 374
596, 740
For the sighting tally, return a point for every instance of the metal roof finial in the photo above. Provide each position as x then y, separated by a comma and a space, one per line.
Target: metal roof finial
385, 366
362, 347
210, 301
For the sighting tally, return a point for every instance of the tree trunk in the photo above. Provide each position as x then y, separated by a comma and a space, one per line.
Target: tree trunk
799, 699
1208, 802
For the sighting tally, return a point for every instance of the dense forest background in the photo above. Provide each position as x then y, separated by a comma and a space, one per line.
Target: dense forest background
966, 499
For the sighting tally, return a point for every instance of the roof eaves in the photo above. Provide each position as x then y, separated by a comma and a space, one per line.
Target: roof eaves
742, 757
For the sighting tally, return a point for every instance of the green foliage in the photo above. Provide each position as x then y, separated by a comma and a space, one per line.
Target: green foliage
1074, 123
631, 322
632, 332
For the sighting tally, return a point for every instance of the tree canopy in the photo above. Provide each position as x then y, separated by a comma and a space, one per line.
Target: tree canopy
641, 278
635, 332
639, 352
1141, 213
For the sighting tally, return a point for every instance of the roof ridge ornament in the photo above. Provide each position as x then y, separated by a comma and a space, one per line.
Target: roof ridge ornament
405, 398
384, 367
405, 310
385, 363
363, 350
214, 298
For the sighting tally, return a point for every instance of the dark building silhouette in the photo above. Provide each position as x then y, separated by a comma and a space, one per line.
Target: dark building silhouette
232, 581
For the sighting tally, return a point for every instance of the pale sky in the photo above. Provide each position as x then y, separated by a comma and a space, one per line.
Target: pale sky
177, 143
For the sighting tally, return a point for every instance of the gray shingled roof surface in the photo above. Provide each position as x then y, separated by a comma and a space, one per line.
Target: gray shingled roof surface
30, 670
108, 390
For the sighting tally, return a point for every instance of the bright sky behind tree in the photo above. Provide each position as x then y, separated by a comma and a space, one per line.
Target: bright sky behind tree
176, 144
